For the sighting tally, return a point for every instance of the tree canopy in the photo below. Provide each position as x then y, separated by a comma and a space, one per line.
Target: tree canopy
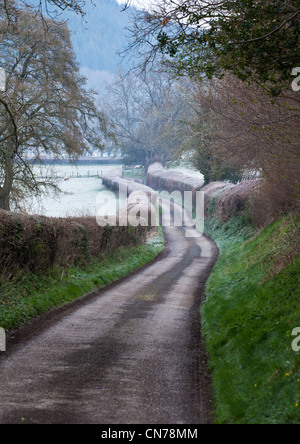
44, 5
147, 116
255, 40
46, 109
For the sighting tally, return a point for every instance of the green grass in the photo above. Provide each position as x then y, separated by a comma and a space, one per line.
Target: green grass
252, 307
28, 295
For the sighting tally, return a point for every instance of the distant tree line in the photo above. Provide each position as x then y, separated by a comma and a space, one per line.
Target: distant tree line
148, 115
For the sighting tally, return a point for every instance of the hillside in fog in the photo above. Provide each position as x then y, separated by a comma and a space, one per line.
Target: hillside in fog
98, 38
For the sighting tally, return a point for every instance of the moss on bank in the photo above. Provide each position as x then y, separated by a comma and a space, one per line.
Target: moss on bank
253, 305
28, 295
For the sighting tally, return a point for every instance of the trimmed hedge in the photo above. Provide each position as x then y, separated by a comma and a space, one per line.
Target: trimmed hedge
37, 243
229, 200
114, 179
172, 180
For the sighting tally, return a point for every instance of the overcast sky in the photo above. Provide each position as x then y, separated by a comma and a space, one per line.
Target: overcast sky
140, 4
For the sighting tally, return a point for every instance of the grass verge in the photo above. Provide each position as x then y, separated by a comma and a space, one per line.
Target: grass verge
28, 295
252, 307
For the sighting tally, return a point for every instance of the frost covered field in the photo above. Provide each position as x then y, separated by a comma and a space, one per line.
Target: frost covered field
80, 186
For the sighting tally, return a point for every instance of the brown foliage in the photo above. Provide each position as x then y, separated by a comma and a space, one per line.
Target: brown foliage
37, 243
46, 109
210, 192
237, 199
262, 136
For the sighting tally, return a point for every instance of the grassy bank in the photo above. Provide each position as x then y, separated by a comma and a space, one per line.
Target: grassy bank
29, 295
253, 305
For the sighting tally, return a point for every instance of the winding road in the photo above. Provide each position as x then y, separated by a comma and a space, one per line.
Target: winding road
128, 354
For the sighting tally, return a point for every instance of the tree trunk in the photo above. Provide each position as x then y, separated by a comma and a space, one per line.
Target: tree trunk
4, 201
6, 189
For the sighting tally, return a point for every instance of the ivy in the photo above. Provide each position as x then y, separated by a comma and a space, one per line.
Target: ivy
255, 40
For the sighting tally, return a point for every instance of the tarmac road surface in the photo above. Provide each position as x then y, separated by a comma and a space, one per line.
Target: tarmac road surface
129, 354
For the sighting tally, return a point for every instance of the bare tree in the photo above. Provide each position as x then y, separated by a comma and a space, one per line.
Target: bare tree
12, 9
46, 109
47, 5
257, 41
256, 133
147, 114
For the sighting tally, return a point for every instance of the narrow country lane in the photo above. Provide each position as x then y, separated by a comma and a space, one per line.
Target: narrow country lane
129, 354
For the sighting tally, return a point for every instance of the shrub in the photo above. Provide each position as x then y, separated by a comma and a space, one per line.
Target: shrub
38, 243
